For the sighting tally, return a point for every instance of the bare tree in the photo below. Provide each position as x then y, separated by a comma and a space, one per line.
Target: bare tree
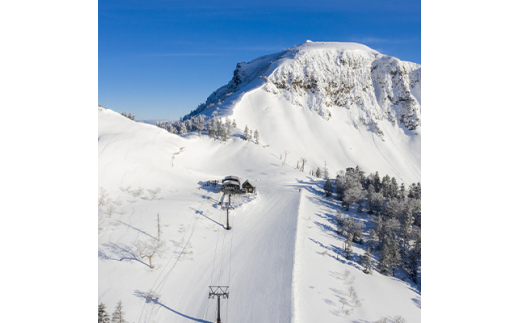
303, 160
399, 319
158, 227
103, 198
285, 157
149, 249
110, 208
154, 193
100, 222
138, 192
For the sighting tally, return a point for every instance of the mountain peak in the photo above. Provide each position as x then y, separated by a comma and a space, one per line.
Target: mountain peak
310, 45
322, 75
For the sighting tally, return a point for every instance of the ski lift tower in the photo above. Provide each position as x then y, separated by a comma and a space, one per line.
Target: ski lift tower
218, 291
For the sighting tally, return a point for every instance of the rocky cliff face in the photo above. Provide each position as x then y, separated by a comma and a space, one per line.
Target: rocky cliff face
372, 86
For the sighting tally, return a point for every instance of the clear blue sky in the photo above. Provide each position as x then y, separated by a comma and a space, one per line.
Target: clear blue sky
160, 58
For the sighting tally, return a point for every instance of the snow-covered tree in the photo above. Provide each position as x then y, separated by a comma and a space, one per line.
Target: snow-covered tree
340, 221
394, 188
373, 240
401, 194
117, 316
395, 256
352, 195
318, 172
414, 259
379, 228
103, 316
375, 202
325, 171
246, 134
257, 137
393, 208
328, 188
366, 262
348, 249
385, 186
183, 129
385, 258
129, 115
354, 229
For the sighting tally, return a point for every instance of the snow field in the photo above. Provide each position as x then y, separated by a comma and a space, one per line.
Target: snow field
303, 133
330, 288
279, 258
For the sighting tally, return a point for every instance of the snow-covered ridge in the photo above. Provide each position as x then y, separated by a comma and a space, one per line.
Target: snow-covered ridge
319, 75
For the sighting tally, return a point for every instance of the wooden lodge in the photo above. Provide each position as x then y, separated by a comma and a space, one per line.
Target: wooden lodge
247, 187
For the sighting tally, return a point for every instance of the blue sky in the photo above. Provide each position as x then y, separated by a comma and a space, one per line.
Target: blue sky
159, 59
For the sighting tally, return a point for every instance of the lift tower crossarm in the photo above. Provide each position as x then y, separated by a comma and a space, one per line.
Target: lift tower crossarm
218, 291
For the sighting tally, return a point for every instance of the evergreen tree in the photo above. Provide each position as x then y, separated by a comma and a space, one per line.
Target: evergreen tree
414, 263
386, 186
214, 128
402, 192
411, 191
375, 202
246, 134
395, 256
366, 261
379, 228
377, 182
340, 222
352, 195
328, 187
394, 188
373, 240
348, 249
393, 208
102, 314
358, 232
326, 171
257, 137
117, 316
318, 172
384, 258
354, 229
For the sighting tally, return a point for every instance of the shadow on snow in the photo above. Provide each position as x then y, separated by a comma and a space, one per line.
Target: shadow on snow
155, 300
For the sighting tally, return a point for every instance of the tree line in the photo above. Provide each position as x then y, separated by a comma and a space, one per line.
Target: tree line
396, 236
214, 127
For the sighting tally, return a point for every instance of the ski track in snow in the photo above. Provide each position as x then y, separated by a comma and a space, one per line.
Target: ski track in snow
157, 287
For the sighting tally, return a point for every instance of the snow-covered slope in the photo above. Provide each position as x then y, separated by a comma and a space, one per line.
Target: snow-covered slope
342, 103
280, 258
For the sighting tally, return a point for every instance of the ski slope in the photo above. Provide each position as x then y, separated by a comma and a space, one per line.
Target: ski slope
279, 258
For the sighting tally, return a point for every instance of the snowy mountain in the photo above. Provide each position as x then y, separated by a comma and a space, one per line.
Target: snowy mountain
364, 105
322, 75
162, 237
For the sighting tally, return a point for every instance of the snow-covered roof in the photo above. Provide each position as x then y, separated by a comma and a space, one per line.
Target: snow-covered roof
231, 177
246, 182
231, 182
